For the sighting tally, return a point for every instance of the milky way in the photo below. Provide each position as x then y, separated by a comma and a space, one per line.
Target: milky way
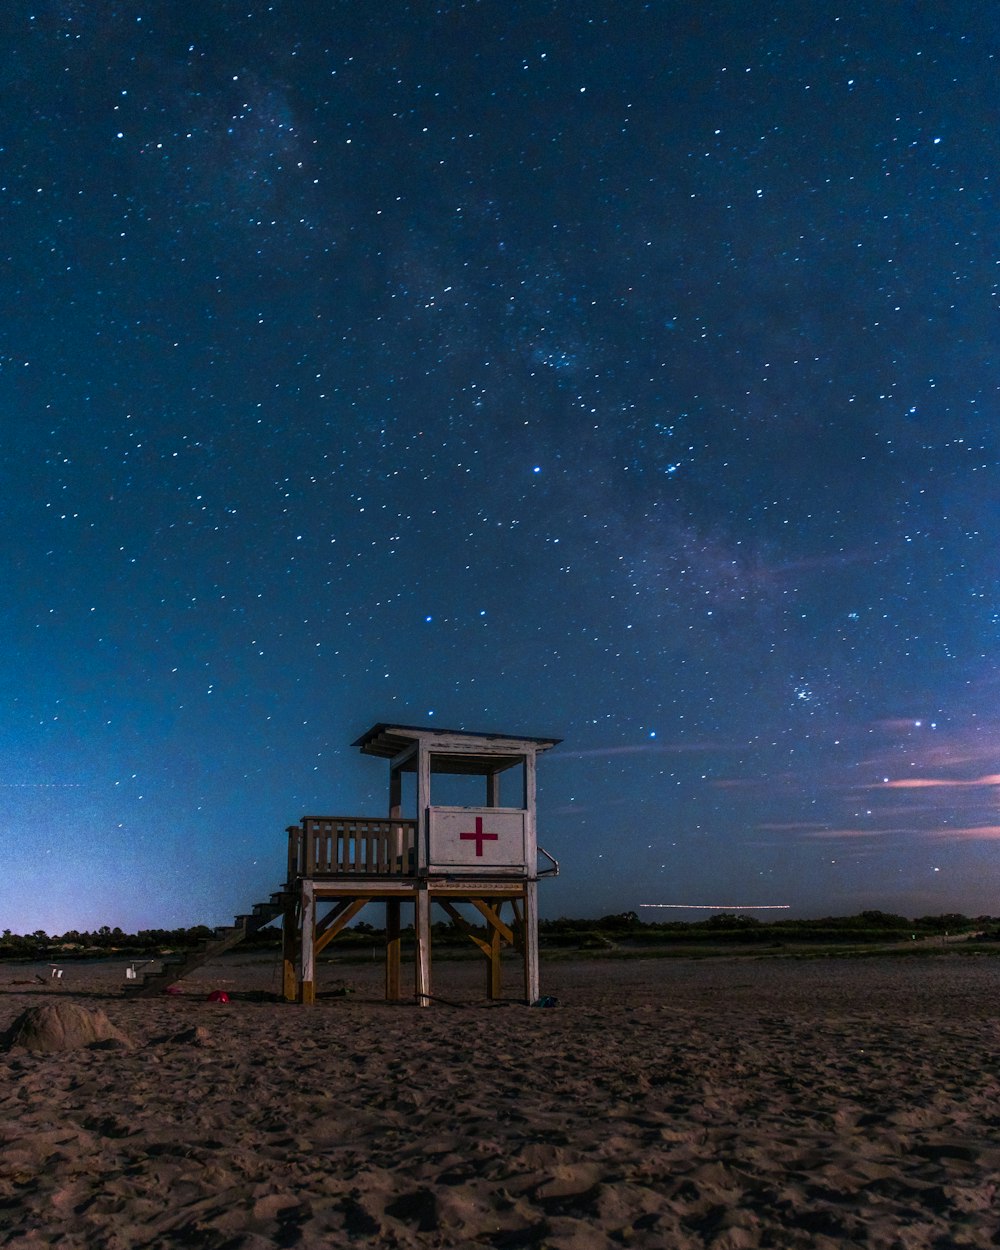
617, 371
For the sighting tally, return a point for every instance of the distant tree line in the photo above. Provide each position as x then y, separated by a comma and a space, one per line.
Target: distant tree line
607, 932
102, 941
867, 926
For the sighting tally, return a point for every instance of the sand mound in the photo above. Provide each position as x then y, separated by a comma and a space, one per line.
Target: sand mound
61, 1026
194, 1036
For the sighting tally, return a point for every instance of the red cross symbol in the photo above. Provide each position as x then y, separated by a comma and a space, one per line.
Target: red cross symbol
478, 837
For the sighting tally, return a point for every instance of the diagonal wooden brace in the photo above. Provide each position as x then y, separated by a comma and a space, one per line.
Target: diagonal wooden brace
492, 916
336, 921
460, 922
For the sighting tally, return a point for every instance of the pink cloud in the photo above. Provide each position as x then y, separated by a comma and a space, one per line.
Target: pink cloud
972, 833
791, 827
924, 783
854, 833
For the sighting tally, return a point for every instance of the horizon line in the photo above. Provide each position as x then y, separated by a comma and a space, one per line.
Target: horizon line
721, 906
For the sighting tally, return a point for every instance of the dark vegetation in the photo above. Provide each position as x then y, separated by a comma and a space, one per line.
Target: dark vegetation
728, 929
622, 933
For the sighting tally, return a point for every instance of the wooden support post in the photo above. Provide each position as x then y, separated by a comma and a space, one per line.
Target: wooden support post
496, 934
493, 974
290, 916
395, 792
531, 972
289, 946
392, 950
294, 854
422, 934
423, 803
307, 941
530, 833
517, 924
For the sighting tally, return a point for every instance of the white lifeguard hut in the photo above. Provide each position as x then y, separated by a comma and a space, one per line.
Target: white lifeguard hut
424, 852
485, 855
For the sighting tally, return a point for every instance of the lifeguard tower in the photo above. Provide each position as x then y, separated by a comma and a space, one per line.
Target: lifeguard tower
486, 855
423, 852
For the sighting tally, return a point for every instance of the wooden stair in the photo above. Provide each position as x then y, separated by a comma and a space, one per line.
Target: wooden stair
177, 966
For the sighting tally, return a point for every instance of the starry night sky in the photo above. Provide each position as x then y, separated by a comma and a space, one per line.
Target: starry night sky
623, 372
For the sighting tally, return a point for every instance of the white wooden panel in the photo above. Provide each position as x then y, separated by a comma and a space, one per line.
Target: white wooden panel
472, 839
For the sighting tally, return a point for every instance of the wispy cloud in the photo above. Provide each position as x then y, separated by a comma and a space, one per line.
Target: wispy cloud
833, 834
927, 783
969, 833
645, 748
791, 826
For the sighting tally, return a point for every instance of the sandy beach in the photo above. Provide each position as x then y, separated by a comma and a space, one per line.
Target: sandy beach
662, 1103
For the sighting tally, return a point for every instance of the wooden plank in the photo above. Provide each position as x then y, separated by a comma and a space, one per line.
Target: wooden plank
328, 846
518, 924
392, 950
310, 848
369, 842
423, 803
378, 856
377, 887
530, 823
294, 852
400, 761
478, 744
317, 854
422, 927
307, 983
326, 853
408, 854
345, 829
394, 861
531, 971
395, 789
289, 947
494, 984
396, 886
397, 849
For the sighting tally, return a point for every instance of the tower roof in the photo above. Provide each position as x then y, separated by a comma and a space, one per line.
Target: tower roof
387, 740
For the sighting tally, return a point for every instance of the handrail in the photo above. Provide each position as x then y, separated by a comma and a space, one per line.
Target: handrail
548, 872
352, 845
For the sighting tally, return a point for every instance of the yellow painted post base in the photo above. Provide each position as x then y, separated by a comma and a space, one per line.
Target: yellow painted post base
290, 947
307, 993
289, 981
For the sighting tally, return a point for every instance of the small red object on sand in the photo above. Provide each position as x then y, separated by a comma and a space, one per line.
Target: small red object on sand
218, 996
173, 989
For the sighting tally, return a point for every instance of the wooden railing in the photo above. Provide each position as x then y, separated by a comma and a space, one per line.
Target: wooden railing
351, 845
